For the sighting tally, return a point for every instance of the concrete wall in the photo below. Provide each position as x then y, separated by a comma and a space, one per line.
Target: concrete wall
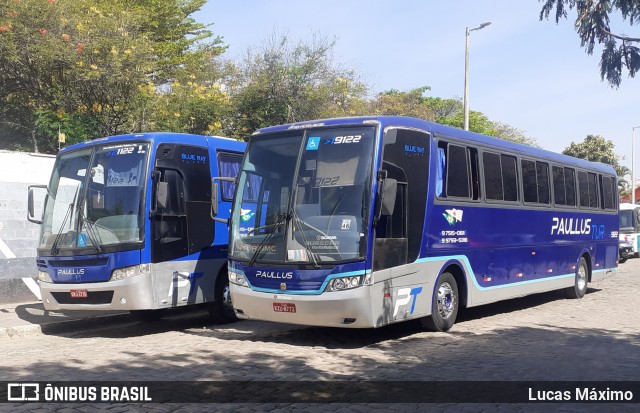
19, 237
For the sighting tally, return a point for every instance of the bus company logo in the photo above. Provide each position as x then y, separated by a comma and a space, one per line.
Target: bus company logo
453, 216
191, 158
282, 275
246, 215
570, 226
406, 296
71, 271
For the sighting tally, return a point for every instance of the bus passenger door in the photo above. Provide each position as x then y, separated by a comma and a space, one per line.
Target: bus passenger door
398, 235
181, 224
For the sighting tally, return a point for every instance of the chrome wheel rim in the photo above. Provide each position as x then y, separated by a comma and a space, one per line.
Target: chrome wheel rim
447, 300
582, 277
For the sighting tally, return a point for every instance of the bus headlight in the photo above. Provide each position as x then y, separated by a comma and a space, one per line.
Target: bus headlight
347, 283
44, 277
128, 272
237, 279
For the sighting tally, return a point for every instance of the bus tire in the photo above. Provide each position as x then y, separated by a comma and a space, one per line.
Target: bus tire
146, 316
221, 309
445, 303
581, 279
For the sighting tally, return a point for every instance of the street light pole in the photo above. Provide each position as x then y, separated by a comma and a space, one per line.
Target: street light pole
633, 157
466, 72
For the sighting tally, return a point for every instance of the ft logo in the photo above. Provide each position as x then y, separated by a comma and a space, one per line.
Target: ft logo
405, 296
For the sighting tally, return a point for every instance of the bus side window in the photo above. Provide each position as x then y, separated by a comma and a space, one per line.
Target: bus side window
457, 173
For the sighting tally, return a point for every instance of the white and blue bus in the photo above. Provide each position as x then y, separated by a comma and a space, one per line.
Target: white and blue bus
363, 222
129, 223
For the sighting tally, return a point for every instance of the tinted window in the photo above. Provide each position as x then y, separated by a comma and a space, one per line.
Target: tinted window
457, 172
559, 188
492, 176
529, 185
542, 175
228, 167
608, 193
593, 190
570, 182
583, 188
509, 178
588, 189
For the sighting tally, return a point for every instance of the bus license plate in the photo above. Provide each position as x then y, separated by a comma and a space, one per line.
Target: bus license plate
78, 293
284, 307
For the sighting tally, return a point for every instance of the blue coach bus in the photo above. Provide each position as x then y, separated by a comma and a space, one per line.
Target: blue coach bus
129, 223
363, 222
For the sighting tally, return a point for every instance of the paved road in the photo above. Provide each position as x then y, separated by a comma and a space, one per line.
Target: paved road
542, 337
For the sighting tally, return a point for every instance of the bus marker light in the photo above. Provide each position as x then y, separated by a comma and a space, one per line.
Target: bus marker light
549, 270
486, 279
519, 274
387, 295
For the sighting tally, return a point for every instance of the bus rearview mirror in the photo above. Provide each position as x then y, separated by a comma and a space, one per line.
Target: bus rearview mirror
162, 194
30, 204
388, 196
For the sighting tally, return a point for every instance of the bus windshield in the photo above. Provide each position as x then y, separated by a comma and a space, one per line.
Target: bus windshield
304, 197
96, 199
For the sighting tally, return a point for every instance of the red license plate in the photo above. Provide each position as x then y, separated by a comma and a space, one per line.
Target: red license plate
78, 293
284, 307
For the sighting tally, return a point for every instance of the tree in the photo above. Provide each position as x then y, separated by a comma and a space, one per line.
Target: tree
409, 103
282, 82
593, 26
445, 111
595, 148
81, 65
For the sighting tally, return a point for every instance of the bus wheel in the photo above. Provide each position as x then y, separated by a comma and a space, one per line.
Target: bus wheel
444, 307
148, 315
582, 277
221, 309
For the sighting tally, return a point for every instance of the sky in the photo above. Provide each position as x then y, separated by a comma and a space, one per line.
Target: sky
530, 74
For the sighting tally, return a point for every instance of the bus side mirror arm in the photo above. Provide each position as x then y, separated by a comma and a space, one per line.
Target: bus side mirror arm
30, 203
214, 197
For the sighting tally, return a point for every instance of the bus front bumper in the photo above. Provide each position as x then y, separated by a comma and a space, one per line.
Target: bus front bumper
133, 293
346, 309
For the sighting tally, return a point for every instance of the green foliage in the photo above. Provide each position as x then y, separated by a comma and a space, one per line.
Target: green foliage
445, 111
283, 82
80, 64
595, 148
592, 25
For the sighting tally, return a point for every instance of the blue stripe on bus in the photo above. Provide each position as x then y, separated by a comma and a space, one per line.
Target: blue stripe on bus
472, 275
299, 292
463, 258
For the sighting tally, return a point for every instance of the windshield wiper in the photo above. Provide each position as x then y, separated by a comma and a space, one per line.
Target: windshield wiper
283, 218
56, 240
94, 237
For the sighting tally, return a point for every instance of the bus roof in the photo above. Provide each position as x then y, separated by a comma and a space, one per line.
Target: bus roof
438, 129
158, 137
